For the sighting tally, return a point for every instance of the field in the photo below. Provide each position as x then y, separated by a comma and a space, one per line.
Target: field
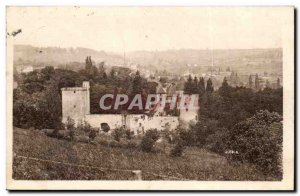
39, 157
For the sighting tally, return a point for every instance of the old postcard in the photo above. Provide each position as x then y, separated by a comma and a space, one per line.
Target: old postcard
150, 98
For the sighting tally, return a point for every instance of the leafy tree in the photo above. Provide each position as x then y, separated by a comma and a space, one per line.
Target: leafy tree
102, 76
65, 78
96, 92
47, 72
268, 85
152, 87
201, 87
137, 86
257, 86
33, 82
188, 89
149, 140
112, 74
225, 90
241, 104
41, 107
88, 62
268, 99
258, 140
278, 83
194, 87
209, 86
203, 129
250, 82
218, 141
52, 105
90, 73
197, 133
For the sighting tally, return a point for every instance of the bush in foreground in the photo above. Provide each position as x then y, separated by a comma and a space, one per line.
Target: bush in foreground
258, 140
149, 140
118, 134
178, 149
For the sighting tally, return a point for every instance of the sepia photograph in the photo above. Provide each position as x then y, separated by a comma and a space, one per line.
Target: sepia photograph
150, 98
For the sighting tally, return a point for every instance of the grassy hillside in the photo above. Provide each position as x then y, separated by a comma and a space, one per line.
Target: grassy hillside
69, 161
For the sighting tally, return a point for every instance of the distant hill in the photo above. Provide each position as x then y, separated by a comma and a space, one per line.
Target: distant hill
173, 61
238, 60
57, 57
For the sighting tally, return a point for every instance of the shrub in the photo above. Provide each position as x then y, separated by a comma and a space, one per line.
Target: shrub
115, 144
178, 149
103, 142
217, 142
85, 127
93, 134
186, 136
70, 126
168, 135
70, 123
82, 138
131, 144
128, 134
149, 140
197, 133
258, 140
118, 133
200, 131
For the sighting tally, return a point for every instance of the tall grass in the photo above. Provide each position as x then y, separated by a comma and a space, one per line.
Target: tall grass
195, 164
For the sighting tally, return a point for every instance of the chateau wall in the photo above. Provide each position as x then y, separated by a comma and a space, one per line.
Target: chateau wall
76, 103
113, 120
141, 123
136, 123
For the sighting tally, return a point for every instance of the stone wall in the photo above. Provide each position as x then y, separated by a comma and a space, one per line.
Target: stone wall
113, 120
135, 123
141, 123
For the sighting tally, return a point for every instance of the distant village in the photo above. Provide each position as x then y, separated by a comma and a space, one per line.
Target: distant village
256, 81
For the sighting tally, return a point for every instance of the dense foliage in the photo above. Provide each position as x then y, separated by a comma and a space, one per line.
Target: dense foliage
240, 123
258, 140
37, 99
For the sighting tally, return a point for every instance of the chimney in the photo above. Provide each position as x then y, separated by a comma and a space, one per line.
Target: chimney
86, 84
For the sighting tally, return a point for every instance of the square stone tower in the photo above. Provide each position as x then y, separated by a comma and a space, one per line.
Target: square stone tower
76, 102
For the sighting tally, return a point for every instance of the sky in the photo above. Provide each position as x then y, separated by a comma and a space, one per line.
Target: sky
119, 29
